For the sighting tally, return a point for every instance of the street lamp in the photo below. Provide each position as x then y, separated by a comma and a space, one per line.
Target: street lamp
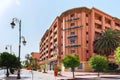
55, 63
20, 37
57, 54
10, 46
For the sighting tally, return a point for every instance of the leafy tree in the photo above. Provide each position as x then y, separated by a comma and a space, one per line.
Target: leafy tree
106, 42
28, 60
70, 61
44, 68
117, 55
99, 63
9, 61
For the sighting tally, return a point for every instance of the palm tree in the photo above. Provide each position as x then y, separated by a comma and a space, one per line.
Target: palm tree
107, 42
31, 62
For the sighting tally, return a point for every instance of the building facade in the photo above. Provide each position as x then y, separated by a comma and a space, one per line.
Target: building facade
36, 55
74, 32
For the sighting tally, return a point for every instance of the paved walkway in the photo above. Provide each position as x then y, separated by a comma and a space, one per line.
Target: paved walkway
34, 75
92, 76
29, 75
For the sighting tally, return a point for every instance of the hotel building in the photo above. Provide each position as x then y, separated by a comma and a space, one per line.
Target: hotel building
74, 32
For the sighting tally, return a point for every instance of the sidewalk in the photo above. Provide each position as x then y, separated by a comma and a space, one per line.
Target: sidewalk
92, 76
34, 75
29, 75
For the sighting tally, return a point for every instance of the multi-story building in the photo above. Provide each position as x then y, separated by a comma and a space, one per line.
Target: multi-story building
36, 55
74, 32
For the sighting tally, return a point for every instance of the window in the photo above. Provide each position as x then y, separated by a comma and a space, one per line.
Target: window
87, 51
51, 37
86, 32
86, 24
55, 32
72, 33
117, 24
55, 26
72, 24
50, 31
72, 15
87, 59
107, 21
80, 66
98, 26
87, 41
86, 15
97, 34
51, 56
51, 43
72, 51
72, 40
98, 17
55, 40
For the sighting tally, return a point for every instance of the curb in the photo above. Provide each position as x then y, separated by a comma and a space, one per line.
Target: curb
65, 79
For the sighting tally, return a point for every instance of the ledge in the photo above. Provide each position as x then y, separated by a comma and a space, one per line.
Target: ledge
72, 45
73, 27
72, 19
70, 36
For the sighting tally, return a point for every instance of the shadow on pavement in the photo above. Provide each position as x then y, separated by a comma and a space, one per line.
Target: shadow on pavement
14, 78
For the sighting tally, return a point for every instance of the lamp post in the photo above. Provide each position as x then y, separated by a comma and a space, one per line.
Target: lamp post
57, 54
55, 63
15, 20
10, 46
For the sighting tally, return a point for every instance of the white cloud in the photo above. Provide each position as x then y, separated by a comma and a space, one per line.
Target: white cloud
5, 4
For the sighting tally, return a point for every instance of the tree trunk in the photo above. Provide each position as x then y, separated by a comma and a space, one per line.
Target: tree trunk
44, 70
7, 74
98, 73
73, 69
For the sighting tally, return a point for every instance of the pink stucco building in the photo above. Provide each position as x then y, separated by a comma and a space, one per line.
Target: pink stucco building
74, 32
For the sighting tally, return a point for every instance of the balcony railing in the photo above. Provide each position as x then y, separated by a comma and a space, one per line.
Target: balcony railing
73, 27
71, 19
72, 45
70, 36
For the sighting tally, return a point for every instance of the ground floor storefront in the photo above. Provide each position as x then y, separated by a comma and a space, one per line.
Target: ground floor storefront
49, 66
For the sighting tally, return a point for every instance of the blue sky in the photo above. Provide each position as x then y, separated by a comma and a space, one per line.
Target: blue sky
37, 16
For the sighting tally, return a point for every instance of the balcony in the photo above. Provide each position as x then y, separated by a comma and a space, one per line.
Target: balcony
72, 45
71, 19
107, 25
71, 36
55, 30
55, 36
98, 21
73, 27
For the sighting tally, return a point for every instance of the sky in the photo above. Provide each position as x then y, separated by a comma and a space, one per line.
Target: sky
37, 16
